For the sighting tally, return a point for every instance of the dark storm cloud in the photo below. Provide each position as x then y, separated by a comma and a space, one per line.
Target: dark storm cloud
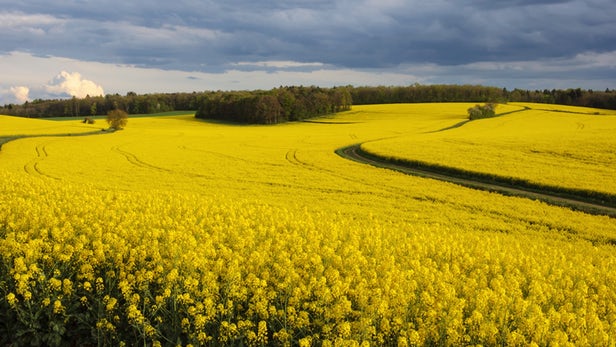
455, 38
195, 34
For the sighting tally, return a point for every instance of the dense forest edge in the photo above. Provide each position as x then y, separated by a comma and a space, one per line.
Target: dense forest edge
296, 103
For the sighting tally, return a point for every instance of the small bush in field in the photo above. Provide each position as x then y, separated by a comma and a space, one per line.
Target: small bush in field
479, 111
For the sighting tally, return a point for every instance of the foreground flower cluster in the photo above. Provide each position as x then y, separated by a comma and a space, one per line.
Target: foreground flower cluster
92, 267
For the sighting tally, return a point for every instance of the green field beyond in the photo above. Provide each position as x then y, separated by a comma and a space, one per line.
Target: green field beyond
183, 231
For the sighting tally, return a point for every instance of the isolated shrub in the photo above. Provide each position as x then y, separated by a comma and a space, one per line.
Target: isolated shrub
117, 119
482, 111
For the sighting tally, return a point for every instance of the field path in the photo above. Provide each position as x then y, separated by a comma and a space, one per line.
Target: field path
9, 138
566, 199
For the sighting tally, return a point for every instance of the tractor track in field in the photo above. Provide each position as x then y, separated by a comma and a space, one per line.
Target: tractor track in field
292, 158
32, 167
565, 199
134, 160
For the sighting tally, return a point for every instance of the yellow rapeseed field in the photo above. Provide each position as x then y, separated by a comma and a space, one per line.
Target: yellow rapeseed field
177, 231
11, 126
553, 145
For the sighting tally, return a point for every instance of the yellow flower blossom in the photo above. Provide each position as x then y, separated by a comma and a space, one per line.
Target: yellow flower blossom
103, 324
100, 285
67, 286
27, 295
55, 284
58, 307
185, 324
11, 299
262, 333
110, 303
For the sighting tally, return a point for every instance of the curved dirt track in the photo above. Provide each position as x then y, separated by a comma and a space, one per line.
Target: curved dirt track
355, 153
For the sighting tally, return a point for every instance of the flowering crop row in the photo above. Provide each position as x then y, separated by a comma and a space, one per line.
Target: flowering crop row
176, 232
113, 268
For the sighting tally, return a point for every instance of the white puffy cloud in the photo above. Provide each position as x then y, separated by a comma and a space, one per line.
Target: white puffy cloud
21, 93
74, 85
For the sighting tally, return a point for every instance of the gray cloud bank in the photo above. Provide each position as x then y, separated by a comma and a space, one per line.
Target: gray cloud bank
501, 41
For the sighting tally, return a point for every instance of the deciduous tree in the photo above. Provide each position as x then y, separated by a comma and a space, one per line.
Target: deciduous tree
117, 119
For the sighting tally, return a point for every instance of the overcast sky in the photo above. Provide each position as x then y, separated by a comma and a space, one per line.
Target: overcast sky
66, 48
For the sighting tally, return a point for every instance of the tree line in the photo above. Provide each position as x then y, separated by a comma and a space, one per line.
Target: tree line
274, 106
298, 102
427, 93
574, 97
477, 93
131, 103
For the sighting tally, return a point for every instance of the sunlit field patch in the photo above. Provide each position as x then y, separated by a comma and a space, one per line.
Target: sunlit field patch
180, 231
11, 126
546, 144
